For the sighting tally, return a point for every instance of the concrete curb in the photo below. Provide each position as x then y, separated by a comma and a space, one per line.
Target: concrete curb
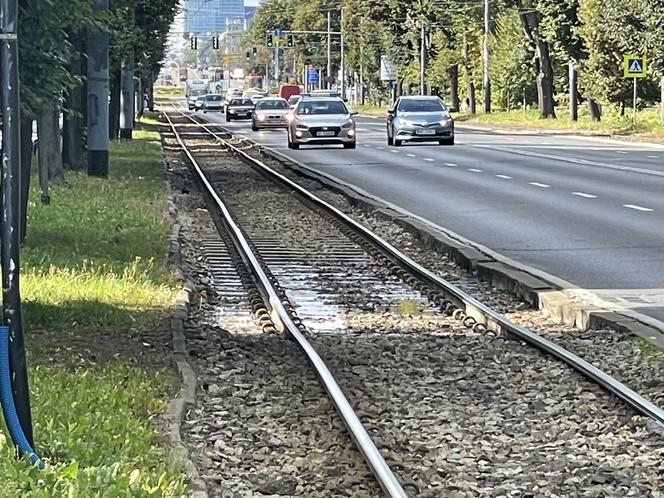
187, 395
539, 292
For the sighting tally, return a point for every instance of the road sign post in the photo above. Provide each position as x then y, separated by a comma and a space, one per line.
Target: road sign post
634, 66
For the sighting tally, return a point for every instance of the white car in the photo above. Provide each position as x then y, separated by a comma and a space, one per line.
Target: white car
321, 121
270, 112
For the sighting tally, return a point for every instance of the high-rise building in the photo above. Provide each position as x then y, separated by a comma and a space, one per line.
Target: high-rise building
212, 16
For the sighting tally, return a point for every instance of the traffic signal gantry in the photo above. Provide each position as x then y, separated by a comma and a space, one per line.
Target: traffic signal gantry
272, 39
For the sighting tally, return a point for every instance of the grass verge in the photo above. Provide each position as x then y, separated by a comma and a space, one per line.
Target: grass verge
97, 296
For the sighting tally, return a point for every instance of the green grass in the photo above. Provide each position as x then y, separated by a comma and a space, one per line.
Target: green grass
97, 295
648, 122
95, 257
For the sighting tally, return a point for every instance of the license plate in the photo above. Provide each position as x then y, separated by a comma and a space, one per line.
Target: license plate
325, 134
425, 131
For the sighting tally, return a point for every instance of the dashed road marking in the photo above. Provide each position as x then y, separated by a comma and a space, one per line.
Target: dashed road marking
583, 194
394, 151
451, 165
540, 185
428, 159
504, 177
621, 152
366, 145
380, 148
411, 155
475, 170
637, 208
653, 157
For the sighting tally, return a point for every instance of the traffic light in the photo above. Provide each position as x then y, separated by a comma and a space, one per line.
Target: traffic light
254, 51
194, 43
215, 42
290, 41
248, 55
269, 42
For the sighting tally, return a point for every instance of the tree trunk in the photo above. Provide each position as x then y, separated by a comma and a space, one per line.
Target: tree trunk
127, 96
72, 126
472, 104
530, 20
50, 164
595, 110
573, 93
150, 88
114, 107
454, 87
26, 164
661, 86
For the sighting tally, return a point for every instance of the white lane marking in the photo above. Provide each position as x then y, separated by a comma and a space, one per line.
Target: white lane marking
366, 145
504, 177
653, 157
411, 155
475, 170
394, 151
428, 159
621, 152
583, 194
541, 185
451, 165
637, 208
380, 148
573, 160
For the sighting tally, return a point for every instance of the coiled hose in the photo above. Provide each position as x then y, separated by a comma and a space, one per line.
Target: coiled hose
8, 406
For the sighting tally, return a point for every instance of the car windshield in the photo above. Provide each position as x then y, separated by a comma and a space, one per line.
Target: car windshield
214, 98
241, 102
310, 107
294, 99
420, 105
272, 104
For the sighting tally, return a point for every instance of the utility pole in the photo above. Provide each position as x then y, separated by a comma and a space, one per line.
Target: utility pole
422, 57
127, 96
10, 223
329, 51
343, 54
98, 98
486, 80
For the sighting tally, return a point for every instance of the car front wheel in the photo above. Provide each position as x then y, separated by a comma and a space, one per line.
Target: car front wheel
390, 140
447, 141
350, 145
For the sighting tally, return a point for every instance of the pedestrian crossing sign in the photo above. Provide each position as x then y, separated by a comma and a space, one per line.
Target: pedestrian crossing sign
634, 66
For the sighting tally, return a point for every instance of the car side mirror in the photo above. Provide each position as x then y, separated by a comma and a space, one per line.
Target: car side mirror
353, 113
391, 112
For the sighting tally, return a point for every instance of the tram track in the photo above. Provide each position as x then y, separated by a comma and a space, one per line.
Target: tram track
405, 288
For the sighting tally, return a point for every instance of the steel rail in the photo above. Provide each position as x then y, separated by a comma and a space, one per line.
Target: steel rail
384, 475
472, 307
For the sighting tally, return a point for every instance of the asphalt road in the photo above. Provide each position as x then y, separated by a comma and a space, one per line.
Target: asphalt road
589, 211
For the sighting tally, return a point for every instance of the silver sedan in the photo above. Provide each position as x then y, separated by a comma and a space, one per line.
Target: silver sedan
321, 121
270, 112
419, 118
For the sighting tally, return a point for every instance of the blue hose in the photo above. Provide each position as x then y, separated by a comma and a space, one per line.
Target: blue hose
7, 400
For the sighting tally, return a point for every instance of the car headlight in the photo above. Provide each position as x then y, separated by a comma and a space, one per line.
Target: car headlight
261, 117
232, 111
445, 122
348, 124
406, 122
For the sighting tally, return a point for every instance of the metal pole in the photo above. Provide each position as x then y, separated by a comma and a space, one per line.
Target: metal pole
634, 111
276, 66
98, 98
486, 80
661, 86
329, 51
343, 54
11, 188
422, 58
127, 96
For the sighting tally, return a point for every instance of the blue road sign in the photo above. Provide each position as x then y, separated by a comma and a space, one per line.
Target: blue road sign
278, 32
313, 76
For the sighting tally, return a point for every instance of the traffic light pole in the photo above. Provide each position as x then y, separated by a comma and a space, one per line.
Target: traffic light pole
11, 174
